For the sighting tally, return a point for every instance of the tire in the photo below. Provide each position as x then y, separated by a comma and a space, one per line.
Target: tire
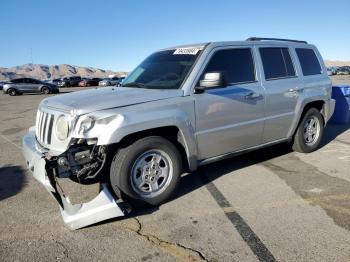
12, 92
309, 134
45, 90
126, 177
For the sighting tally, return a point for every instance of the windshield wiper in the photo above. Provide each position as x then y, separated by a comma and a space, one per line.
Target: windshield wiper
136, 84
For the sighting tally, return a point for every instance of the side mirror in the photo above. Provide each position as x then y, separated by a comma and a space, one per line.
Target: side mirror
211, 80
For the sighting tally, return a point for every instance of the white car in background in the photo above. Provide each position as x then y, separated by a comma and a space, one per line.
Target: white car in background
110, 81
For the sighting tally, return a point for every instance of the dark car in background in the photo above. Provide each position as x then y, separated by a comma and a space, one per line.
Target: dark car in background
89, 82
29, 85
54, 81
69, 81
343, 70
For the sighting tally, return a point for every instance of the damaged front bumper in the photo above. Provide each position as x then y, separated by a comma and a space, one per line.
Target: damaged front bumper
102, 207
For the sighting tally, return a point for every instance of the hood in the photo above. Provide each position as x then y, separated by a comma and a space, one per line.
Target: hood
83, 102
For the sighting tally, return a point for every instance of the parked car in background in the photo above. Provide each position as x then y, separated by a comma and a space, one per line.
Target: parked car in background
343, 70
89, 82
110, 81
329, 71
53, 81
2, 83
69, 81
83, 81
334, 70
29, 85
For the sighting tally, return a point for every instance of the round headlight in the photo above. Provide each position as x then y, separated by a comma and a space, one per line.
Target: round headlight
62, 128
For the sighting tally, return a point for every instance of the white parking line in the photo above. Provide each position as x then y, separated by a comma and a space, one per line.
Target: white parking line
8, 140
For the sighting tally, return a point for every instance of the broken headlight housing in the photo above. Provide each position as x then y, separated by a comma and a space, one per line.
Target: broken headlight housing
86, 124
92, 125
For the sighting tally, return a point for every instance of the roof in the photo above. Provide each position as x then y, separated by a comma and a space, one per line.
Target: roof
249, 41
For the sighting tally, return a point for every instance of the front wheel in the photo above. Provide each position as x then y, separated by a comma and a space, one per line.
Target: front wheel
309, 133
12, 92
146, 172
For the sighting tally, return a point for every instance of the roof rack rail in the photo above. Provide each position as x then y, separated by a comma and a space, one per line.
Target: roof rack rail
274, 39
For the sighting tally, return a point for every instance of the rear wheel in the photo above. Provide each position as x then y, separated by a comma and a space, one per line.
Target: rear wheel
45, 90
146, 172
12, 92
309, 133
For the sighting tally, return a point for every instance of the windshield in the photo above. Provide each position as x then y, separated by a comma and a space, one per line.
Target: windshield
163, 70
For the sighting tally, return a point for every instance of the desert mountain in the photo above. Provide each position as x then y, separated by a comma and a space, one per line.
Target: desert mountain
39, 71
336, 63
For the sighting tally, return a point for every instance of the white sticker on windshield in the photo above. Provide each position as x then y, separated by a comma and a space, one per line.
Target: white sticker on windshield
186, 51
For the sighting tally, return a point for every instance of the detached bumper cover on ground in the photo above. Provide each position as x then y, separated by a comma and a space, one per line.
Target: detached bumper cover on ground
102, 207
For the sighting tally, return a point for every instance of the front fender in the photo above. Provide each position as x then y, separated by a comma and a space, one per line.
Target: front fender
143, 121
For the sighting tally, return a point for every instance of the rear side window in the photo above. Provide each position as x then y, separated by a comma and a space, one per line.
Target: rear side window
277, 63
18, 81
236, 64
308, 61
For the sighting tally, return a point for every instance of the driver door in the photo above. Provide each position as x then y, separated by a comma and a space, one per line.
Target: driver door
230, 118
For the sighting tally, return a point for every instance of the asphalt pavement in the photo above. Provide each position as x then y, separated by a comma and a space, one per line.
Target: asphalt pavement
268, 205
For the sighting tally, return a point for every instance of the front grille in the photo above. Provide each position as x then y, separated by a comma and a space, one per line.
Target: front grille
44, 124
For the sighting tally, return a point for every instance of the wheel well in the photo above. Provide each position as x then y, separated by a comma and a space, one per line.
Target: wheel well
314, 104
11, 88
172, 133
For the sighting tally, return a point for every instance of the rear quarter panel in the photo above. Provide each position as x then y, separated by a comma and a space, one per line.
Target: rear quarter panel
315, 88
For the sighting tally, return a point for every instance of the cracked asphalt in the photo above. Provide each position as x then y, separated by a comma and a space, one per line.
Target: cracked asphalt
268, 205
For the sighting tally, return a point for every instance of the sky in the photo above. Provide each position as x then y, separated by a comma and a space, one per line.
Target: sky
118, 35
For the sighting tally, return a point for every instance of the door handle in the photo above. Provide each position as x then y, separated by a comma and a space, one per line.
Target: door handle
295, 90
252, 95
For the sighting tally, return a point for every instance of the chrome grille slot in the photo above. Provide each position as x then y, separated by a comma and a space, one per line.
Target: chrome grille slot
44, 124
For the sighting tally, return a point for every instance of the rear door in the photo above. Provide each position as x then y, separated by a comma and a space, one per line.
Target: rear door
230, 118
25, 85
30, 85
36, 85
282, 87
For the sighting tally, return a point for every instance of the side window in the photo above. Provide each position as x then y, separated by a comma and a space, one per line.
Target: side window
17, 81
236, 64
277, 63
308, 61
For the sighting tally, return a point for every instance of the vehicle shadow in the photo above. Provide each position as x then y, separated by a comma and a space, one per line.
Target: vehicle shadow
12, 181
332, 131
209, 173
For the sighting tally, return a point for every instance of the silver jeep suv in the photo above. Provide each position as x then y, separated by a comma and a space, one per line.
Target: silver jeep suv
182, 107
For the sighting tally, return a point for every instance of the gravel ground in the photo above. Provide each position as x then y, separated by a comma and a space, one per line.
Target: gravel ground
269, 205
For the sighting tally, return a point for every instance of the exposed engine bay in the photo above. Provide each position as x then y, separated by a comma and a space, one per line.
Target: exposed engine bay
81, 162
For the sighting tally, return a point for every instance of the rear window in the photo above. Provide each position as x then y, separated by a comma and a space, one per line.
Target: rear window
277, 63
236, 64
308, 61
